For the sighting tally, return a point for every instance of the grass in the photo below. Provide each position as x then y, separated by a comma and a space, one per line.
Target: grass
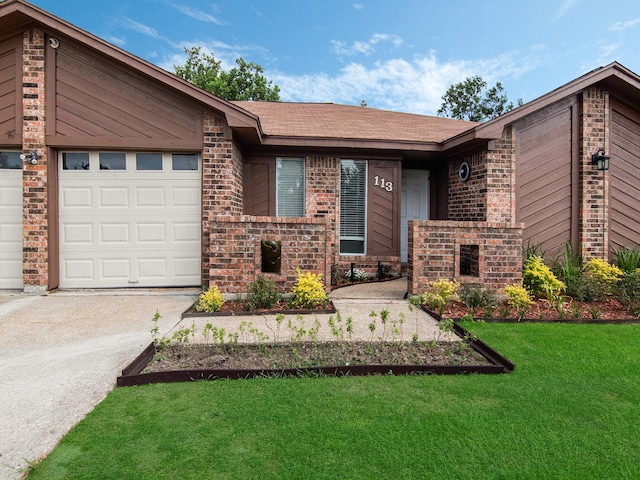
570, 410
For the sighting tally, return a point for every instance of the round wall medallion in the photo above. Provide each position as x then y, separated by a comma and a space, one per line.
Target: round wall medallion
465, 171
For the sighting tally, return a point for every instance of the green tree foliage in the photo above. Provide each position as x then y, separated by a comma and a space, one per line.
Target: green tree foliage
471, 100
245, 81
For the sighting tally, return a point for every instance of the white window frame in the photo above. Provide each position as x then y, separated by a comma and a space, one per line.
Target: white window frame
363, 237
297, 193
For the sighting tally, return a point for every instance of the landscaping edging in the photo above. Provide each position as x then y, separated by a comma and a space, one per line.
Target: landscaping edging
131, 375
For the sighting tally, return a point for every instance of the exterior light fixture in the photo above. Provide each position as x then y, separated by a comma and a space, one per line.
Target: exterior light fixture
31, 157
601, 160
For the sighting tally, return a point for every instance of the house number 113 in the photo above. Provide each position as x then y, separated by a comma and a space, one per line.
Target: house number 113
382, 183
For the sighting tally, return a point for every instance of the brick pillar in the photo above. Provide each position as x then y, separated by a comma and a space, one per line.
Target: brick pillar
501, 171
34, 184
221, 180
594, 217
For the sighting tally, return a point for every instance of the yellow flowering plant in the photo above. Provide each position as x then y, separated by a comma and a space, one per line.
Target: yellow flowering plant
210, 301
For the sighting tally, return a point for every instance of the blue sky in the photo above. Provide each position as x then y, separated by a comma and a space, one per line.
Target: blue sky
398, 54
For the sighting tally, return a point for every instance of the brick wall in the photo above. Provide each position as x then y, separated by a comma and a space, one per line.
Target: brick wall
468, 200
35, 225
594, 233
235, 257
435, 249
489, 194
221, 179
501, 179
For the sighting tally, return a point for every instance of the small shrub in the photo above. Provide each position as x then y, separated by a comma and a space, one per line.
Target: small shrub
210, 301
519, 298
539, 278
603, 274
262, 294
568, 267
308, 292
359, 275
476, 296
628, 260
627, 292
440, 293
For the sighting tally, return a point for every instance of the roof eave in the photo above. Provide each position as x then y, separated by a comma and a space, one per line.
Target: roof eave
235, 115
494, 128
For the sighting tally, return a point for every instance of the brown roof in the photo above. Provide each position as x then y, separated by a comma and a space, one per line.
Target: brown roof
328, 120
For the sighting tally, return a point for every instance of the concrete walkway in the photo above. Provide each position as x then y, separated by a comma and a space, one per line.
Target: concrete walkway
363, 303
60, 354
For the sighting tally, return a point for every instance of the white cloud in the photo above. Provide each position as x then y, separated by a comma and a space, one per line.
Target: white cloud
414, 86
564, 8
198, 14
141, 28
620, 26
365, 48
358, 6
119, 41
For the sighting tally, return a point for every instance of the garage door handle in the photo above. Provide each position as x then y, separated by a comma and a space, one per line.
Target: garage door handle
134, 281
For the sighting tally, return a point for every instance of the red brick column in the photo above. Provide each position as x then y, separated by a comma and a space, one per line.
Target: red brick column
501, 179
594, 218
35, 225
221, 181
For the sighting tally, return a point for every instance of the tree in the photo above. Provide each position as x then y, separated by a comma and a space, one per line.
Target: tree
245, 81
470, 100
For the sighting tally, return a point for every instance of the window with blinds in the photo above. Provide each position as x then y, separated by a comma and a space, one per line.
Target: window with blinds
290, 187
353, 200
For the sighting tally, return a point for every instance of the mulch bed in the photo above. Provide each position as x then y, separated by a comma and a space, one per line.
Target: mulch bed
607, 310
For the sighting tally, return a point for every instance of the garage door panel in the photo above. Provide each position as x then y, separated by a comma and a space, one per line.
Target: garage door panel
150, 197
111, 197
152, 268
11, 196
152, 233
185, 196
115, 269
78, 269
129, 228
11, 233
77, 233
186, 232
76, 197
114, 233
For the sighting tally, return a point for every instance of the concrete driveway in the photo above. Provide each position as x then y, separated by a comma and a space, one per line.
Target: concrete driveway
59, 357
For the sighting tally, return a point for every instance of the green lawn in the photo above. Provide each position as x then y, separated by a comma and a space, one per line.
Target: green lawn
571, 409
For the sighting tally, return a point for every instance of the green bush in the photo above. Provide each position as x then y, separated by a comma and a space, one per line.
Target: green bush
262, 294
603, 274
628, 260
475, 296
308, 292
539, 278
210, 301
627, 291
519, 298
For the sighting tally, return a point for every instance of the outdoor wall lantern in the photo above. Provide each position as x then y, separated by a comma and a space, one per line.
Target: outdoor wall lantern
31, 157
600, 159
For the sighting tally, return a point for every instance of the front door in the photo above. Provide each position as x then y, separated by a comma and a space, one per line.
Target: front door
415, 203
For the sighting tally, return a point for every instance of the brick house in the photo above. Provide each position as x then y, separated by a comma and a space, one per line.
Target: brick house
116, 173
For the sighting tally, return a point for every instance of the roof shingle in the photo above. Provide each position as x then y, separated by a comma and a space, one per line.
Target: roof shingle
328, 120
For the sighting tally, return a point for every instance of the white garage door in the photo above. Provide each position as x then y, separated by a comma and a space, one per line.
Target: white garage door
129, 220
10, 220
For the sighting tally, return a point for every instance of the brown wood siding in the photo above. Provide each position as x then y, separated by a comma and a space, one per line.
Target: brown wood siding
10, 93
259, 187
624, 177
544, 179
95, 98
383, 218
